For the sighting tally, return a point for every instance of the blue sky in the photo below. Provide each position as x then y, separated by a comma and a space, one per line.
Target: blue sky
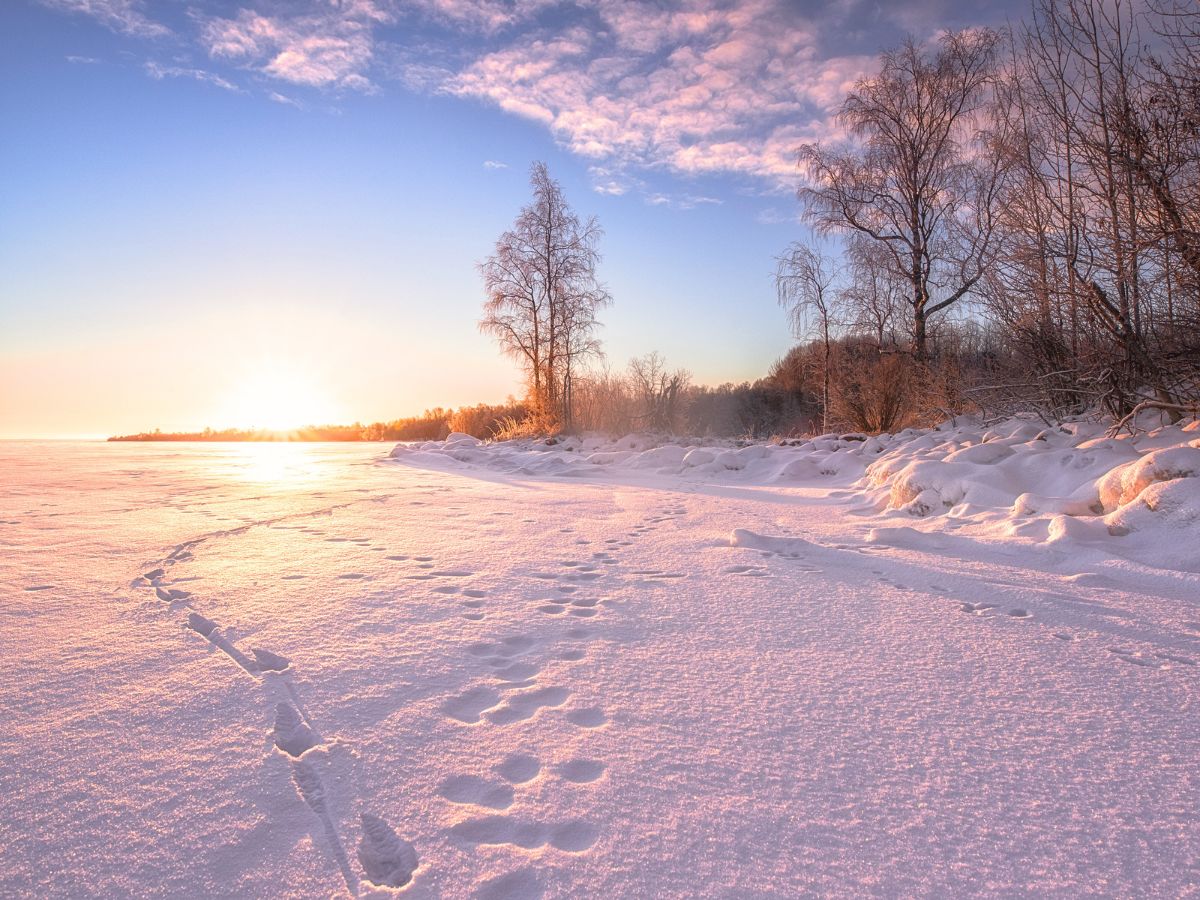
196, 194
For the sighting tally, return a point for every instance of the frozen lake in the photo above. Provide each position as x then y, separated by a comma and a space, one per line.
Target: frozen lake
564, 687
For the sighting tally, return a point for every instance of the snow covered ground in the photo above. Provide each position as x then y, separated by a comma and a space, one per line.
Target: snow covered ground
932, 664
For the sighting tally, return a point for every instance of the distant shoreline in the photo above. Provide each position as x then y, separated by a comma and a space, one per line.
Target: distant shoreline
339, 434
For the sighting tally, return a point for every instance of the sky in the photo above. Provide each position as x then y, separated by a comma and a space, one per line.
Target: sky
239, 213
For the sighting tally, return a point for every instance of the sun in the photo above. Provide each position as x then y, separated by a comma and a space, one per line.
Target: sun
277, 397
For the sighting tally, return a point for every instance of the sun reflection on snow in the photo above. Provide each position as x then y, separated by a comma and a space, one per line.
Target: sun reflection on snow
279, 463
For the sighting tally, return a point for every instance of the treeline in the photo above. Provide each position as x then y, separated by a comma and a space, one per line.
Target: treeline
311, 433
483, 421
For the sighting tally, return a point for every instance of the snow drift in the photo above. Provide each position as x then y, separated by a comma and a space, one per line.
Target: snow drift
1137, 493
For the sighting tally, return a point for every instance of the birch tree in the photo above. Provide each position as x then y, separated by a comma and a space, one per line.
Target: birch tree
543, 294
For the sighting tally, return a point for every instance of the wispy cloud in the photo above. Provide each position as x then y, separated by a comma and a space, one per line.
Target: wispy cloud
83, 60
122, 16
159, 72
701, 87
683, 201
494, 164
330, 48
276, 97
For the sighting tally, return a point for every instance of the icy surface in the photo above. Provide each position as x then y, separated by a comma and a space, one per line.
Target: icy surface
947, 663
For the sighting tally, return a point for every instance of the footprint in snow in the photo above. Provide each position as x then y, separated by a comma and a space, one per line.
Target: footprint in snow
387, 859
523, 884
581, 771
587, 717
517, 671
524, 706
977, 609
573, 837
268, 661
291, 733
471, 790
469, 706
519, 768
1134, 658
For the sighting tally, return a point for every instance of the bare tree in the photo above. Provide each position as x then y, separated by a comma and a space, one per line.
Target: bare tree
659, 392
914, 181
543, 293
804, 283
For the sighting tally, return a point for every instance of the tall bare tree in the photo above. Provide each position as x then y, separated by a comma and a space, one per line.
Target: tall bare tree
804, 282
913, 179
543, 294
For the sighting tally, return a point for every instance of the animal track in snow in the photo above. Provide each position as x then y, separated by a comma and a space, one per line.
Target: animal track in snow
581, 771
475, 791
523, 884
468, 707
587, 717
573, 836
520, 707
977, 609
1134, 657
519, 768
518, 671
1020, 613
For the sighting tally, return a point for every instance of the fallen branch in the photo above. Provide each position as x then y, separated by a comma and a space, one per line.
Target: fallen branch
1150, 404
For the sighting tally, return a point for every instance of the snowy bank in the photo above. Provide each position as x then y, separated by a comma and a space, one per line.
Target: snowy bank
1138, 495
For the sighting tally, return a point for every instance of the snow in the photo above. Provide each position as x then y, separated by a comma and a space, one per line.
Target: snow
951, 662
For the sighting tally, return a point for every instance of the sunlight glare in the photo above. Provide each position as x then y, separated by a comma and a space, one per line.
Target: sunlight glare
278, 398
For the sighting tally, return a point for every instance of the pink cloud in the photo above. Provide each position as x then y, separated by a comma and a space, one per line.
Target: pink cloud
701, 88
331, 49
